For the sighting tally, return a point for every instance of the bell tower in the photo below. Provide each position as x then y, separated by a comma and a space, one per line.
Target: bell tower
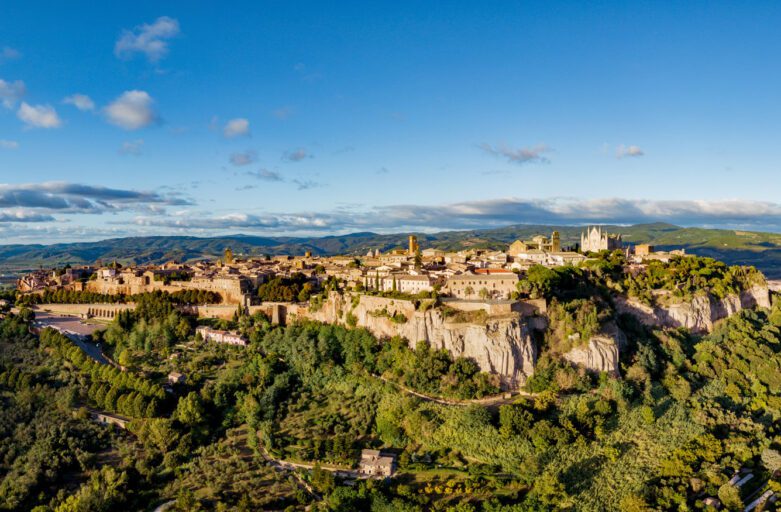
413, 245
555, 242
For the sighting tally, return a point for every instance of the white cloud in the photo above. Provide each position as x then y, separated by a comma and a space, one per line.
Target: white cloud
296, 155
132, 110
243, 158
131, 147
68, 197
21, 215
49, 232
292, 222
265, 175
492, 213
80, 101
628, 151
8, 144
307, 184
151, 40
7, 54
236, 127
520, 156
39, 116
32, 203
11, 92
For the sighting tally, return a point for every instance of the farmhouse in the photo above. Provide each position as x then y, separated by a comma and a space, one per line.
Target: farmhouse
376, 464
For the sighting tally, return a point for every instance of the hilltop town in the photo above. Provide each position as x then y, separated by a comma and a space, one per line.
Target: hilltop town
469, 274
330, 372
426, 378
390, 257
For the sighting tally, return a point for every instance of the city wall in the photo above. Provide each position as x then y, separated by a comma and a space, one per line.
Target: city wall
527, 307
107, 311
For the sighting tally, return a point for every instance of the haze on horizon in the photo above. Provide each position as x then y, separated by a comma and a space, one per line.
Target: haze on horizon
303, 118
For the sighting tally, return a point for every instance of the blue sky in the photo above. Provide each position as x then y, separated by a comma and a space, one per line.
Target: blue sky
312, 117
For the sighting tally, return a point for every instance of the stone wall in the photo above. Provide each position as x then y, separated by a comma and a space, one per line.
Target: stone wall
107, 311
223, 311
230, 290
526, 307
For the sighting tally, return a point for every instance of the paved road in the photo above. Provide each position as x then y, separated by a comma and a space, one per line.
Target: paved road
72, 324
75, 329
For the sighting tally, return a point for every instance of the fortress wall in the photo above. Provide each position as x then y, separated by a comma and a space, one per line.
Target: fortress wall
84, 310
403, 306
527, 307
224, 311
231, 294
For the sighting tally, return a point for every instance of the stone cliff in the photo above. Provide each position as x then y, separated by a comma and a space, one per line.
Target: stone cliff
503, 344
601, 353
500, 345
698, 314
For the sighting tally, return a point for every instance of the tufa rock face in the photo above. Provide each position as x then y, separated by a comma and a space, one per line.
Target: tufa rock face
501, 346
700, 313
601, 353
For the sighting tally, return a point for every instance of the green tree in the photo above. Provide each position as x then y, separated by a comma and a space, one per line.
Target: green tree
771, 459
190, 410
106, 490
730, 497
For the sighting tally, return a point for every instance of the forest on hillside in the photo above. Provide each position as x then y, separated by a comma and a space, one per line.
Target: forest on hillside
688, 413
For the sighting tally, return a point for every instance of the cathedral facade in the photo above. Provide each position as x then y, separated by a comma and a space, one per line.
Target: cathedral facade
595, 240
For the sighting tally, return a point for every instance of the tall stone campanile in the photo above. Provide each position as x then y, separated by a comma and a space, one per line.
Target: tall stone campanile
413, 245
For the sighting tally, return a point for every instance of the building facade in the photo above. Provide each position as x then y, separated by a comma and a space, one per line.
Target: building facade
217, 336
595, 240
482, 286
537, 243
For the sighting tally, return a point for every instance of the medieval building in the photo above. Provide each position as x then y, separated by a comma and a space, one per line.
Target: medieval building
537, 243
595, 240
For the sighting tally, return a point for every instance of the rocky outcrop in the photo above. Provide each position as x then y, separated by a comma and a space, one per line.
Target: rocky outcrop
503, 344
601, 353
698, 314
500, 345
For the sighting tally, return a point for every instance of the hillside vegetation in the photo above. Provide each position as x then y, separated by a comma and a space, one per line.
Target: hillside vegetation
686, 414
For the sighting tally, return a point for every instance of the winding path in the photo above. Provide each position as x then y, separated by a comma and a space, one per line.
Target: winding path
487, 400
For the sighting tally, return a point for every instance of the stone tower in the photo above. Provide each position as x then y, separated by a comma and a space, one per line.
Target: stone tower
555, 242
413, 245
228, 256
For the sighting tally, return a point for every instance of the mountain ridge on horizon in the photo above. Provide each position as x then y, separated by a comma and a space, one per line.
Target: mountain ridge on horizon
760, 249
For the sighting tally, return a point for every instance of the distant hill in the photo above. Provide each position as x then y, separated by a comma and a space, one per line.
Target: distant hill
762, 250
